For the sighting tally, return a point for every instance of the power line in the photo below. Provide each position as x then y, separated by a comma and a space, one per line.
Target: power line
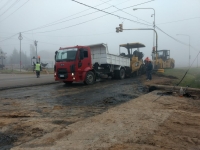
179, 20
171, 36
127, 13
116, 16
175, 38
72, 15
165, 32
57, 21
79, 24
54, 23
10, 7
5, 4
8, 37
130, 20
40, 41
15, 11
76, 35
107, 13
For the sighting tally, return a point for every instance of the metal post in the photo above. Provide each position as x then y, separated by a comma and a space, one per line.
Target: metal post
35, 42
20, 38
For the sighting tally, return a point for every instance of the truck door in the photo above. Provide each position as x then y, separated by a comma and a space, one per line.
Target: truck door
84, 60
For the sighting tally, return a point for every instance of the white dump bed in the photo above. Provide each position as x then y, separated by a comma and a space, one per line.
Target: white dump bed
101, 55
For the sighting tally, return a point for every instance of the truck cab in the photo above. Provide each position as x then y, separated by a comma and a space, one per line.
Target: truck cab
72, 64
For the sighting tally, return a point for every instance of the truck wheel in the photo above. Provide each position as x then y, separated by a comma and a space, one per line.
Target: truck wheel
121, 74
90, 78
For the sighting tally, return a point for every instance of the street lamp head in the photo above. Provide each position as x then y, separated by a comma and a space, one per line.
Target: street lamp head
135, 9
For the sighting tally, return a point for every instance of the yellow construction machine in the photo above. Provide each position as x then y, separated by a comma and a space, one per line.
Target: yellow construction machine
136, 58
162, 60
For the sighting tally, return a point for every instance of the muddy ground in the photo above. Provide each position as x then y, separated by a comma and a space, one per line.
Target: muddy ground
111, 114
24, 110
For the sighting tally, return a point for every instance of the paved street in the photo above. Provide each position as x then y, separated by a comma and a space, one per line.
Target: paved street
22, 80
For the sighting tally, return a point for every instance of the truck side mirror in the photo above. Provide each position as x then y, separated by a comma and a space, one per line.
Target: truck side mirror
55, 55
81, 54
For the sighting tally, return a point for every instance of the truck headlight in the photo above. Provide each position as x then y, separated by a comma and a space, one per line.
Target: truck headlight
72, 74
55, 73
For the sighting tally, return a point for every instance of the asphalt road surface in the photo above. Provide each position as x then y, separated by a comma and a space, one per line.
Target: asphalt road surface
8, 81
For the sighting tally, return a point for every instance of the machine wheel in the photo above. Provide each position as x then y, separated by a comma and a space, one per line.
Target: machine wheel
90, 78
68, 82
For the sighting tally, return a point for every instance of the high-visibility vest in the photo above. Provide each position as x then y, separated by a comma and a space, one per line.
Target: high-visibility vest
37, 67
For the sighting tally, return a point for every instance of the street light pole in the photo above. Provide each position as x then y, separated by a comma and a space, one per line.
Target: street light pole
154, 22
35, 42
20, 38
189, 44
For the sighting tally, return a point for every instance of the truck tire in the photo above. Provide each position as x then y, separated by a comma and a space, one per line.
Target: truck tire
90, 78
121, 74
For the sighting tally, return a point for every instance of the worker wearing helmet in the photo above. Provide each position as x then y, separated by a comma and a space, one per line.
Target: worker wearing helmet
37, 69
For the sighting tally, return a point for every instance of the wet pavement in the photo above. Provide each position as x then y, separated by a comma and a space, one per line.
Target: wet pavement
31, 112
9, 81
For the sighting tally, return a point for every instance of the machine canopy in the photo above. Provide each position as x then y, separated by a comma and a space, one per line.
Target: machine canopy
132, 45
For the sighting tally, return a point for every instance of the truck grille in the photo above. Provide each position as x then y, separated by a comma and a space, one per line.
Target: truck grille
62, 73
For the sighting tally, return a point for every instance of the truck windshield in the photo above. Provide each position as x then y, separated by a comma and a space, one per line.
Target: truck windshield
66, 54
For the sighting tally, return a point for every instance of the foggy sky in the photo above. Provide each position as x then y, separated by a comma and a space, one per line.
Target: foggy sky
38, 13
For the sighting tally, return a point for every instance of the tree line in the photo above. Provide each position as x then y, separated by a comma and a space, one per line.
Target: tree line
14, 58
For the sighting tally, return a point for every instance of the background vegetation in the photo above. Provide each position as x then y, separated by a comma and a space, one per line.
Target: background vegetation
192, 78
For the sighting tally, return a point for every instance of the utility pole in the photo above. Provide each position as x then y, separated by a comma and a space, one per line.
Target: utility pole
20, 38
35, 42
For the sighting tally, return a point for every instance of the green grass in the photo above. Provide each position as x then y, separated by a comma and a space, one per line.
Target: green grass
191, 79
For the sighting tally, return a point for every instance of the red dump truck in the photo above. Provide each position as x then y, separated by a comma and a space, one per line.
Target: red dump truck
87, 63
